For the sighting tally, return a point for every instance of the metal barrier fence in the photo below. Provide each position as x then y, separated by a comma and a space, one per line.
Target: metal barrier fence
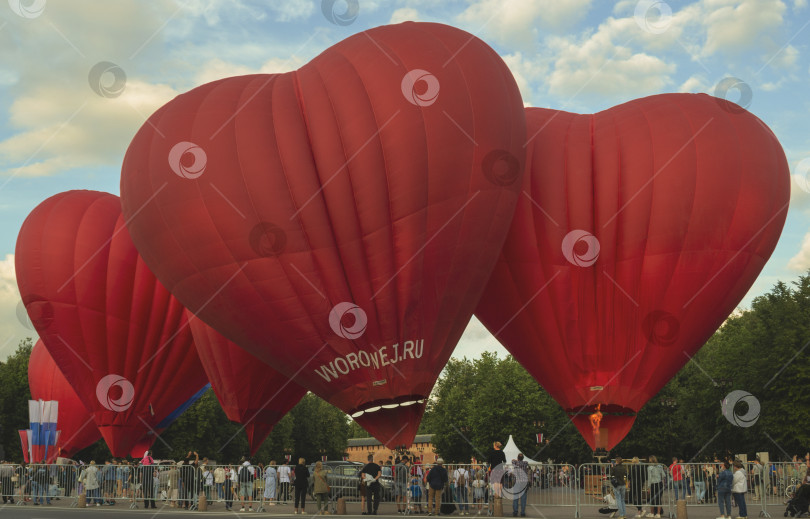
651, 488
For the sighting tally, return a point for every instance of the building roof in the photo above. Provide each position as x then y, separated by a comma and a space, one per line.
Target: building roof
373, 442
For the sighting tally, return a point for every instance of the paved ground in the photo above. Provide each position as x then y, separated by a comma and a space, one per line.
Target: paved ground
59, 509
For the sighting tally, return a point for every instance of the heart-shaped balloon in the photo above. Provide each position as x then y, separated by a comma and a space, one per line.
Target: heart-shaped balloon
119, 337
640, 229
339, 221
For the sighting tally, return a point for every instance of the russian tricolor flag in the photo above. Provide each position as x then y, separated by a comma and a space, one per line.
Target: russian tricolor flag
42, 435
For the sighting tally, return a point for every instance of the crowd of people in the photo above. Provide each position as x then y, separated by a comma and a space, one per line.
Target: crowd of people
721, 481
440, 487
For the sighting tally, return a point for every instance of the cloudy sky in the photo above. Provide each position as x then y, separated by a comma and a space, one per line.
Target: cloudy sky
79, 77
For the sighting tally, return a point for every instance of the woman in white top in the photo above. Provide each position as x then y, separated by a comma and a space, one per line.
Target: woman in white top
739, 486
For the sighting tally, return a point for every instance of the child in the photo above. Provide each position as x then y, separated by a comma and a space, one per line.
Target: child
478, 490
416, 495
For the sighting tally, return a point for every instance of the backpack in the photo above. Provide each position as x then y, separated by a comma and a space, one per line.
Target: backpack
461, 481
244, 474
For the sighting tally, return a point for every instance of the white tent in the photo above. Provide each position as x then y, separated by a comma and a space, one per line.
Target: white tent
511, 451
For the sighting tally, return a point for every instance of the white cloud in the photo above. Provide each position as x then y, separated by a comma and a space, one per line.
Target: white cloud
404, 14
64, 128
801, 261
800, 184
798, 5
475, 340
786, 58
218, 69
598, 65
520, 22
734, 26
695, 84
11, 329
527, 73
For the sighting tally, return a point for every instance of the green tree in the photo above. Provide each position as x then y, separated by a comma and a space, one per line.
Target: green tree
14, 396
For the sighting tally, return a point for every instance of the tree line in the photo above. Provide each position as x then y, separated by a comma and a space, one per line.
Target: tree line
762, 351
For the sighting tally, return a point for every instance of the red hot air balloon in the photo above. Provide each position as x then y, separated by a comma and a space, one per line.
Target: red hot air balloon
117, 334
339, 221
640, 229
250, 392
47, 382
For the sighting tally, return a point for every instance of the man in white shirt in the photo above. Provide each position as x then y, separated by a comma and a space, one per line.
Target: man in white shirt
284, 483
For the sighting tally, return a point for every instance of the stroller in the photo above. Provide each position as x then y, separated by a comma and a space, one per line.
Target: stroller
799, 504
610, 506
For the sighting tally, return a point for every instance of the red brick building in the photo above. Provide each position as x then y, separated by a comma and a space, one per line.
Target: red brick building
360, 448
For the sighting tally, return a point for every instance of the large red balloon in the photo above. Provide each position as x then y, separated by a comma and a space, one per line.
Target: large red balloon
47, 382
640, 229
339, 221
118, 335
250, 392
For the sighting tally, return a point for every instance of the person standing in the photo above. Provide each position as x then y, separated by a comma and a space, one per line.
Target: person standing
462, 481
219, 482
401, 478
371, 474
756, 478
91, 483
436, 479
147, 480
246, 475
284, 483
301, 483
173, 479
724, 482
522, 484
270, 478
208, 482
496, 460
619, 482
230, 484
321, 489
676, 471
700, 475
739, 486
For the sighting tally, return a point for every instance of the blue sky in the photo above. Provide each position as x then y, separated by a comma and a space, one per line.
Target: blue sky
57, 133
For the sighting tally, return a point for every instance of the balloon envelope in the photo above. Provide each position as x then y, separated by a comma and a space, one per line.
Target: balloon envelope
250, 392
641, 229
147, 440
339, 221
117, 334
75, 422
